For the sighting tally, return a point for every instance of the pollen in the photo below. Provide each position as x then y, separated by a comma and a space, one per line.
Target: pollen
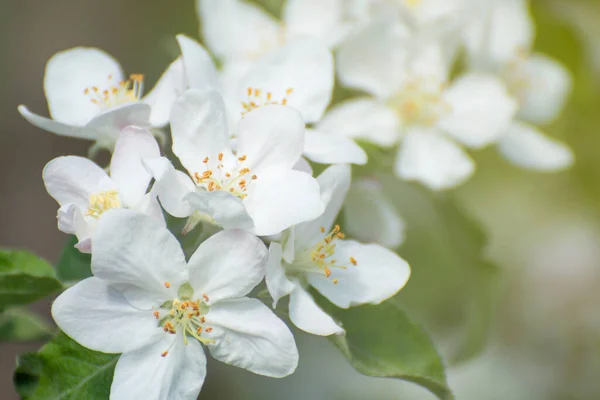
322, 253
111, 96
228, 175
167, 285
156, 314
205, 297
353, 261
184, 317
164, 353
256, 99
101, 202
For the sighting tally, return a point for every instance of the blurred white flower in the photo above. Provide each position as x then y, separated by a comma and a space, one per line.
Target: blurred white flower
89, 97
252, 186
346, 272
414, 102
370, 217
147, 303
501, 43
299, 74
85, 191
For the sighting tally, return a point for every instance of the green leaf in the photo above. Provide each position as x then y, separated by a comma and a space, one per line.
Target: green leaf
382, 341
64, 370
452, 284
22, 325
24, 278
73, 265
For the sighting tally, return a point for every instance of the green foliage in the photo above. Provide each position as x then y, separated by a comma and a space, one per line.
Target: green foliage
24, 278
451, 284
382, 341
22, 326
73, 265
64, 370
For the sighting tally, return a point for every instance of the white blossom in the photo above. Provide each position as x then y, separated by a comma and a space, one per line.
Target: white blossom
85, 191
146, 302
250, 186
346, 272
89, 97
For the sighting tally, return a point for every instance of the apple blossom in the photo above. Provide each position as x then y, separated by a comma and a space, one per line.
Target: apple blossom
89, 97
252, 186
346, 272
147, 303
415, 103
501, 43
85, 191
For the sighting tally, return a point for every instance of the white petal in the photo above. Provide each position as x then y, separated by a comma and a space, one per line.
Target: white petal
334, 183
304, 166
248, 335
363, 118
280, 199
109, 124
544, 97
373, 60
432, 159
305, 66
126, 167
223, 208
235, 29
379, 274
71, 179
200, 70
170, 85
271, 137
198, 128
369, 216
316, 18
56, 127
525, 146
69, 73
227, 265
171, 186
136, 252
495, 39
145, 374
480, 110
329, 148
98, 316
71, 220
277, 283
309, 317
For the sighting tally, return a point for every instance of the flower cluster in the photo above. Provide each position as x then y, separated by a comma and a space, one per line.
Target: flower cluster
243, 137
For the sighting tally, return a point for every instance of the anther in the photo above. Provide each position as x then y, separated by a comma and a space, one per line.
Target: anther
156, 314
164, 353
353, 261
167, 285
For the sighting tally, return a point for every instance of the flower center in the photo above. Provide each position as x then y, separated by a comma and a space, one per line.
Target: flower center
101, 202
257, 98
126, 92
229, 175
517, 77
186, 317
420, 101
321, 255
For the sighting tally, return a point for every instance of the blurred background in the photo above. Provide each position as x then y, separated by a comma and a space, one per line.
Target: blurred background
543, 231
